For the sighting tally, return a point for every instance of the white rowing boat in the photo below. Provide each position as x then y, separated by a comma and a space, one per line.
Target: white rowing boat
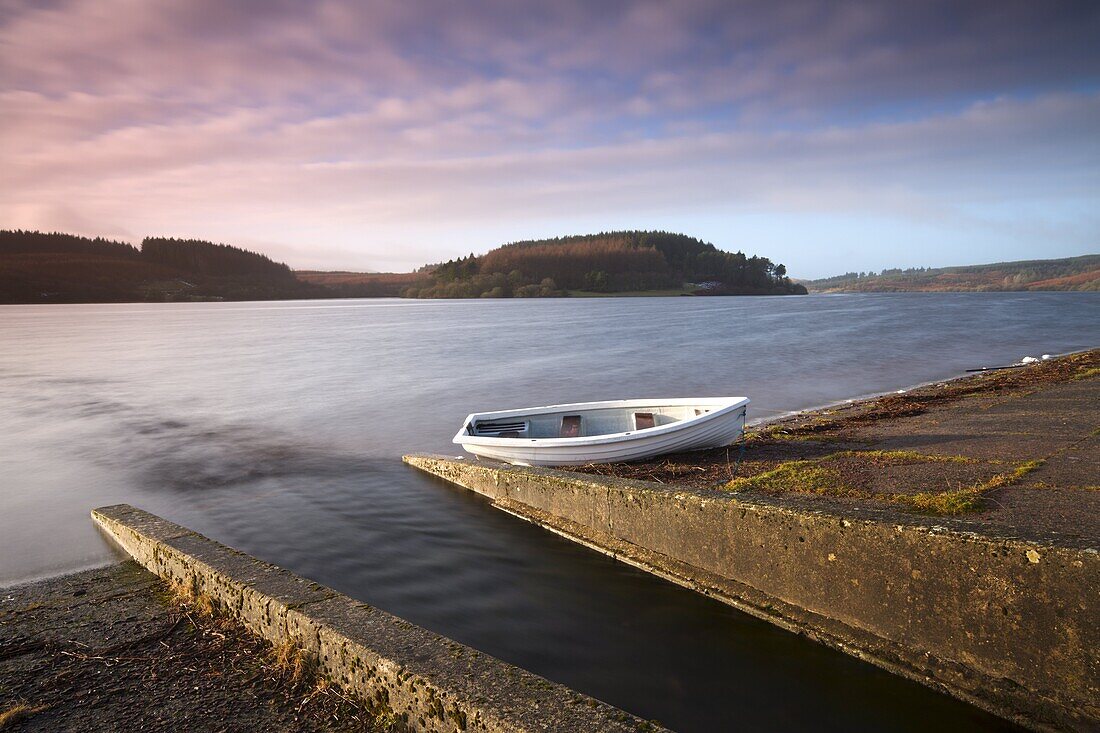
603, 432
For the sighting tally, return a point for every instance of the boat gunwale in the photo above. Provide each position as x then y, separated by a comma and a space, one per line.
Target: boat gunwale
463, 438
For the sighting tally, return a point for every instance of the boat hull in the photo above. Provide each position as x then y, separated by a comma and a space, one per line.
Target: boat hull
721, 425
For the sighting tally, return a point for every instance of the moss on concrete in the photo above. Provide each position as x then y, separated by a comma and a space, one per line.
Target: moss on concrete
908, 455
843, 474
805, 477
969, 498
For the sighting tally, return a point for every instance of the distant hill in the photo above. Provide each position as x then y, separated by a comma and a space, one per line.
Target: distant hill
1071, 273
610, 262
39, 267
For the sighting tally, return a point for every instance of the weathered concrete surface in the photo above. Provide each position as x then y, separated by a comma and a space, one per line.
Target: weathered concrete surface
428, 682
1010, 625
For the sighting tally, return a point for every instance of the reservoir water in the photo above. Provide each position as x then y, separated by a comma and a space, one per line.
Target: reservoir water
278, 428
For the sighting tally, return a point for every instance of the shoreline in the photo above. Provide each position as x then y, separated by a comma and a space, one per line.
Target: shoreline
586, 296
870, 396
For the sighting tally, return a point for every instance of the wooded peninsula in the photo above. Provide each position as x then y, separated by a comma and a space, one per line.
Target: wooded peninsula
38, 267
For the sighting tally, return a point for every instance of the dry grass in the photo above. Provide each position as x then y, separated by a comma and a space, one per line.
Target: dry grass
17, 713
287, 666
187, 595
993, 384
294, 664
804, 432
287, 663
297, 670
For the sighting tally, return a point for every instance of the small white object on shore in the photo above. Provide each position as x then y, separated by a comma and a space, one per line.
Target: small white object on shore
1028, 360
1047, 356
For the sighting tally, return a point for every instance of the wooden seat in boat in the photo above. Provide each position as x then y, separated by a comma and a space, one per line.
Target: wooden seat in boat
643, 420
570, 426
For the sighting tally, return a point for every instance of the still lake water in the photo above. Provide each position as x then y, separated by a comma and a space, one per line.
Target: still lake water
278, 428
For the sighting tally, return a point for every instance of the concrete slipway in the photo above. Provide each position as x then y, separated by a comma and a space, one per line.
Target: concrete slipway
1000, 607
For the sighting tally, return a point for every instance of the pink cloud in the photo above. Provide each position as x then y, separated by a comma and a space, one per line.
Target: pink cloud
385, 127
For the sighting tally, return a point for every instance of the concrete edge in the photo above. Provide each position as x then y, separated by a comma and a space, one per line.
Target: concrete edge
957, 528
997, 694
425, 681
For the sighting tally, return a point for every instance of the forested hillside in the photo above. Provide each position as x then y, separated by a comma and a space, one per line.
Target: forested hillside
39, 267
610, 262
1071, 273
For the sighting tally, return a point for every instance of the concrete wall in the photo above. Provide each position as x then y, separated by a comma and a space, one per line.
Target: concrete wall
1009, 625
428, 682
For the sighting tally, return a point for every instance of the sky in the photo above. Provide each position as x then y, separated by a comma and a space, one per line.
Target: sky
829, 136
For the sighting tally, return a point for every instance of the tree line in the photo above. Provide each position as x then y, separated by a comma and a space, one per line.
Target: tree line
54, 267
207, 258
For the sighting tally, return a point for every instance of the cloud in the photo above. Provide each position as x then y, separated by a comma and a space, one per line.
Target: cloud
341, 131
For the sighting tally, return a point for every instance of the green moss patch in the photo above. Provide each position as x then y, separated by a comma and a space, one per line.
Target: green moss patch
969, 498
804, 477
906, 456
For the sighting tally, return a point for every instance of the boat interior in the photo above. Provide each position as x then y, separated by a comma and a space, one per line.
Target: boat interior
584, 423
